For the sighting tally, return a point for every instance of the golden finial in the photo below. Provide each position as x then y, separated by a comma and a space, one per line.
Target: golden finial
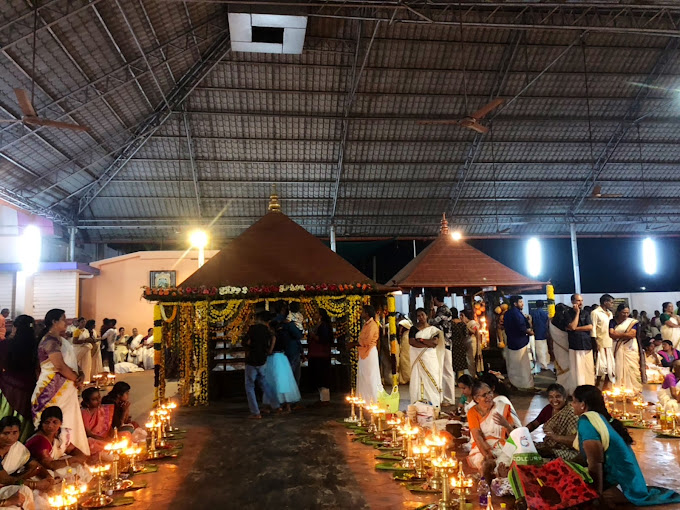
274, 205
444, 229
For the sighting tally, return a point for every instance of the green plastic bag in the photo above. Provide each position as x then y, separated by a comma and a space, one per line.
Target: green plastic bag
389, 401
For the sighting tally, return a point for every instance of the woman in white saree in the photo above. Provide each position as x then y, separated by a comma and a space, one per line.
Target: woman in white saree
628, 357
670, 325
51, 446
17, 468
59, 379
427, 356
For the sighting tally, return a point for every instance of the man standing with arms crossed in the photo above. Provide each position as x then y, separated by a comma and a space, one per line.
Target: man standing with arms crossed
581, 363
604, 365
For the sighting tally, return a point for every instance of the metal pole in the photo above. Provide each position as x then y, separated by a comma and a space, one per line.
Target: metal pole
375, 268
72, 244
415, 253
201, 256
333, 246
574, 258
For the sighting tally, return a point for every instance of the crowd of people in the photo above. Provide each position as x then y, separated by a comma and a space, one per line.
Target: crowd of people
47, 432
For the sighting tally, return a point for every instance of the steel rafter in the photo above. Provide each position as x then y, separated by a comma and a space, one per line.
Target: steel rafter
354, 81
655, 19
628, 120
26, 204
129, 72
192, 165
175, 98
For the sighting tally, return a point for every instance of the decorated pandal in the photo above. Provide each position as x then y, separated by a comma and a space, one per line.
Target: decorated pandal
111, 483
418, 457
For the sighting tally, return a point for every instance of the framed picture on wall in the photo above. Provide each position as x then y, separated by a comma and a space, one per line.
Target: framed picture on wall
162, 279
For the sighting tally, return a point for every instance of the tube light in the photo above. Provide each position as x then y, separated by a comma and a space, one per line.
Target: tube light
534, 257
649, 259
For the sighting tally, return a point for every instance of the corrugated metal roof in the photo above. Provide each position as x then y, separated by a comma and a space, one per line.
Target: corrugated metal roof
262, 119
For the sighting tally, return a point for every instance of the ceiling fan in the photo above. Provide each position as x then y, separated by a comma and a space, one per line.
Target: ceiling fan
30, 117
471, 121
597, 193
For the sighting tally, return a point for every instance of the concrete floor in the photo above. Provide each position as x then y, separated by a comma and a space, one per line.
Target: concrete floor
305, 460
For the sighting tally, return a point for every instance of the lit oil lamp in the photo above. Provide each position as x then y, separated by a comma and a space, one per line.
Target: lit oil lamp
409, 433
97, 379
379, 416
99, 499
110, 379
372, 427
445, 468
62, 502
393, 423
352, 401
420, 451
462, 484
360, 402
116, 448
437, 444
132, 454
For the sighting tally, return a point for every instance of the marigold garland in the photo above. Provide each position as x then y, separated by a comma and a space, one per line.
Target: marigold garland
165, 317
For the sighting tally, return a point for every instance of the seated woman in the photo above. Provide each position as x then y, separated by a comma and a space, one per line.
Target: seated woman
51, 446
668, 353
669, 393
465, 401
98, 420
17, 467
611, 461
490, 423
120, 351
119, 398
655, 372
559, 425
427, 353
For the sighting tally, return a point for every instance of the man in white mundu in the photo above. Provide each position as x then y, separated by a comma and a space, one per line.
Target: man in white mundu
581, 363
670, 325
428, 352
605, 365
369, 383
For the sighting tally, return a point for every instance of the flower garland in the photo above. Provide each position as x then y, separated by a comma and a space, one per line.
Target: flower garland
227, 312
200, 382
186, 331
281, 290
165, 317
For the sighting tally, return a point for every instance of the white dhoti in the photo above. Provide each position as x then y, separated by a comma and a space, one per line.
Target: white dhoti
606, 364
519, 367
425, 384
542, 354
84, 357
561, 351
581, 367
369, 383
448, 379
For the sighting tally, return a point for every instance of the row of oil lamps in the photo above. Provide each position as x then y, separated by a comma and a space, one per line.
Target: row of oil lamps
418, 449
124, 458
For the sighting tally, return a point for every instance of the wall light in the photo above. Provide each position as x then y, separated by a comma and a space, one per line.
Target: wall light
649, 259
534, 256
199, 239
456, 235
30, 248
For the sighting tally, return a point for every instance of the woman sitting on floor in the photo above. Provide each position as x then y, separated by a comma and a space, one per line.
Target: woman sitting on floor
559, 425
668, 354
611, 461
119, 397
17, 468
490, 424
98, 420
655, 372
669, 393
465, 401
51, 446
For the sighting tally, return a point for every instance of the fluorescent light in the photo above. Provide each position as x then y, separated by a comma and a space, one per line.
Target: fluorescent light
198, 238
649, 260
456, 235
30, 248
534, 257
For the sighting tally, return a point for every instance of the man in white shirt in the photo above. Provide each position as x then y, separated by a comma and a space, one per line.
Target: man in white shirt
73, 326
604, 366
110, 338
